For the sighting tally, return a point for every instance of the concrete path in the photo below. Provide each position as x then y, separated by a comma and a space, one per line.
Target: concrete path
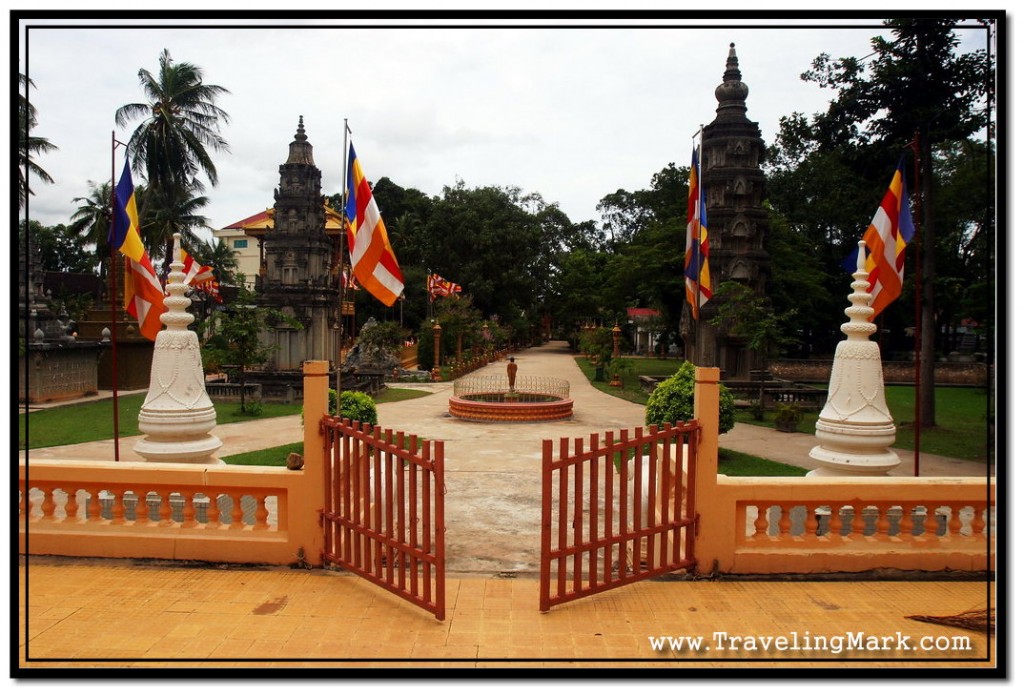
492, 470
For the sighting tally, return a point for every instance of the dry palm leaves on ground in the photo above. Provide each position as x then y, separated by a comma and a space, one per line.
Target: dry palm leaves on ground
980, 620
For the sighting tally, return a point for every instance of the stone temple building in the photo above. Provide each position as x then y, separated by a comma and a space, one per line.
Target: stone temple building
734, 186
299, 251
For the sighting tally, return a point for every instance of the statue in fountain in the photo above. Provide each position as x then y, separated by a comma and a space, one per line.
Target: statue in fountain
512, 369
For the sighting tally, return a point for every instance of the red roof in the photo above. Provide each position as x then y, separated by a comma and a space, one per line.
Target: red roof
641, 312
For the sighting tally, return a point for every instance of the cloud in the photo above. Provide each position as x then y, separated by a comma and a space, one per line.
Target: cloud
570, 113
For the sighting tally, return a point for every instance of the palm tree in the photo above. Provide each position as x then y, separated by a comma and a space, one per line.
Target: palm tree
91, 221
170, 145
29, 145
164, 213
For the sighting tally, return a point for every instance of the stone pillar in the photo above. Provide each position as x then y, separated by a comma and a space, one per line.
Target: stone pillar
616, 337
177, 415
705, 411
304, 522
855, 428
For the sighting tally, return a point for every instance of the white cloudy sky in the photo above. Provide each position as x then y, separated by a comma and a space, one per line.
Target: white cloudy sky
569, 113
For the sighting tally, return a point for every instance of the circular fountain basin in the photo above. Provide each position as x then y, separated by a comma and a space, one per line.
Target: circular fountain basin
487, 398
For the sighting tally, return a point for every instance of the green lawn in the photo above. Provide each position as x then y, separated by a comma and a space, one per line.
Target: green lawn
86, 422
962, 430
630, 389
732, 463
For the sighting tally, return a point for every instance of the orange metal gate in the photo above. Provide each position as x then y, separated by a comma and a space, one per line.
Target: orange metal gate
617, 512
383, 514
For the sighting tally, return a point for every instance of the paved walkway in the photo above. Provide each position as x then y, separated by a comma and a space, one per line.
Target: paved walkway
83, 610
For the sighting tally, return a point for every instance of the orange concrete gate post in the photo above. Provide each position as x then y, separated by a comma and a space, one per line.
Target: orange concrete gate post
308, 530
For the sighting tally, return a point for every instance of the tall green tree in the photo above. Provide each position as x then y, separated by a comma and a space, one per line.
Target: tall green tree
173, 143
90, 223
55, 249
918, 87
29, 145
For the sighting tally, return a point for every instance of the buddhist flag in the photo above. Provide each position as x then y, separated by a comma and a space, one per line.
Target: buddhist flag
373, 260
886, 240
196, 273
695, 264
439, 287
143, 295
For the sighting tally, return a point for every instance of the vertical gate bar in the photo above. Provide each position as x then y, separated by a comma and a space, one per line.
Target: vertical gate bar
427, 524
403, 556
593, 502
330, 505
414, 585
439, 542
623, 504
378, 549
664, 492
348, 483
389, 515
609, 502
366, 471
637, 468
357, 498
563, 502
652, 500
545, 525
577, 516
678, 534
693, 442
337, 483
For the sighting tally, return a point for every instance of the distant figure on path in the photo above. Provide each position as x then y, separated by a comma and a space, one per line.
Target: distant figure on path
512, 368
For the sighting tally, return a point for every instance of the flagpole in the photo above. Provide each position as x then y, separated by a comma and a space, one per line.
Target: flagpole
915, 146
342, 276
112, 273
696, 247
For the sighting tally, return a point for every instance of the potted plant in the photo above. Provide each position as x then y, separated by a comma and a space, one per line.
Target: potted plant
619, 367
788, 417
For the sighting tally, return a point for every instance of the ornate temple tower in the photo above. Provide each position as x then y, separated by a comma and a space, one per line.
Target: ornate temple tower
734, 185
295, 276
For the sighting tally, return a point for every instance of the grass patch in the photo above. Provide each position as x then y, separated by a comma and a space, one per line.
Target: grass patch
278, 456
732, 463
395, 394
631, 389
962, 430
961, 412
94, 420
272, 456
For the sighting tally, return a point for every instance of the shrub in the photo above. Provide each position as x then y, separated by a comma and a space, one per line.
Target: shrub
672, 401
355, 406
788, 417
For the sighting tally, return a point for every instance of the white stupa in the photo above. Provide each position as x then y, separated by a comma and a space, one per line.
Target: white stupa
855, 429
177, 416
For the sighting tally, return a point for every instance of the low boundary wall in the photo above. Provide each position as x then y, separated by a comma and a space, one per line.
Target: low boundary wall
746, 525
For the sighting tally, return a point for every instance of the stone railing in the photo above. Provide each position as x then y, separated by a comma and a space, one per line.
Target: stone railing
758, 525
232, 391
894, 372
185, 511
854, 524
207, 512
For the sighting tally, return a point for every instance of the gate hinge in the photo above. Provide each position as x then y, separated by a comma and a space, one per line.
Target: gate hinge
696, 525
